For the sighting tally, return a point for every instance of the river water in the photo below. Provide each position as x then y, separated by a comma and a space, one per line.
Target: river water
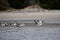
30, 32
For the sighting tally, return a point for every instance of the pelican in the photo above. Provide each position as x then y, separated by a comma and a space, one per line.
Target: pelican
38, 22
22, 24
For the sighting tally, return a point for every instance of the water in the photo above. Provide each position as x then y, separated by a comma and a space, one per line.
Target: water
44, 32
30, 31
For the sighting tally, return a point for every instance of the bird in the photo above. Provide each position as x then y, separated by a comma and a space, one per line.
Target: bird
38, 22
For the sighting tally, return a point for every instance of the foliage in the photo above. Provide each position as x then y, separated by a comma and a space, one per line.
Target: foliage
20, 4
4, 5
50, 4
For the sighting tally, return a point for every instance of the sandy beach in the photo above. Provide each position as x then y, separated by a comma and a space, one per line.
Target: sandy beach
30, 15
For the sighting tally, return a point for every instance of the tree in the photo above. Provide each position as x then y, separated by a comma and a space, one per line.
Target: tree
18, 4
50, 4
4, 5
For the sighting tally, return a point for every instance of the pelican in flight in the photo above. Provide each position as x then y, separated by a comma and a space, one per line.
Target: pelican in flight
38, 22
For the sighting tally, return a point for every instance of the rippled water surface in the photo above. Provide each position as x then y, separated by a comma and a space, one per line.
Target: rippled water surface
45, 32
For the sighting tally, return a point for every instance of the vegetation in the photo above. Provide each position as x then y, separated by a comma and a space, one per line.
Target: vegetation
4, 5
50, 4
20, 4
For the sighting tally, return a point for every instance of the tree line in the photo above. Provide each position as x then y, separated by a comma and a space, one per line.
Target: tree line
20, 4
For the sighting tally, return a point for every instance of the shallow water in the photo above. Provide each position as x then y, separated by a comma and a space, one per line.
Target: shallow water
45, 32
